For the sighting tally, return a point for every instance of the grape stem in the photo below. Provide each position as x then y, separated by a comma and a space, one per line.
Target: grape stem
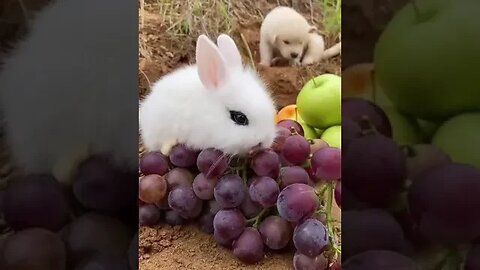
327, 192
256, 220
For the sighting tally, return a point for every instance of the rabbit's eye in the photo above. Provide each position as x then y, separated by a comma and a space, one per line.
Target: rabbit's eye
239, 118
286, 42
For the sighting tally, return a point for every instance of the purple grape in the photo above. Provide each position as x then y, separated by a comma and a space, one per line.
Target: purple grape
206, 222
289, 124
104, 262
472, 261
182, 156
228, 224
184, 201
148, 215
350, 131
212, 162
95, 233
327, 163
152, 188
163, 204
264, 191
374, 169
296, 149
179, 177
276, 232
98, 185
317, 144
424, 157
368, 230
230, 191
379, 259
338, 193
303, 262
266, 163
365, 113
442, 204
249, 208
312, 178
297, 202
291, 175
279, 142
154, 163
310, 237
34, 248
284, 162
203, 186
173, 218
35, 201
225, 242
249, 246
213, 206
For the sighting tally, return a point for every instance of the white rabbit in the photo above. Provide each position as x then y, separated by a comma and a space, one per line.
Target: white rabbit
216, 103
62, 91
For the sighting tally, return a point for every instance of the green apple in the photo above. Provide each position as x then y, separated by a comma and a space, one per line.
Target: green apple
318, 102
319, 132
333, 136
426, 59
459, 138
309, 132
405, 129
428, 128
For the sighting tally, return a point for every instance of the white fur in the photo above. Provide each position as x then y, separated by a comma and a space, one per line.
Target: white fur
191, 105
332, 51
315, 50
61, 90
283, 24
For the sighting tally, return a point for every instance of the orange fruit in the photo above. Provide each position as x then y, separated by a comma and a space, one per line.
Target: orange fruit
287, 112
357, 80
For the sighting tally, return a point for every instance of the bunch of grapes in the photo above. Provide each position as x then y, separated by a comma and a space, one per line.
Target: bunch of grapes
271, 199
87, 225
405, 206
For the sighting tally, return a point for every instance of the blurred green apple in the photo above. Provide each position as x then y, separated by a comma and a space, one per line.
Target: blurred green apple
318, 102
428, 128
427, 61
459, 138
333, 136
405, 129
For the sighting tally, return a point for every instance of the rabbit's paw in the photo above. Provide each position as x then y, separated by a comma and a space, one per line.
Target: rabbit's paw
67, 165
167, 147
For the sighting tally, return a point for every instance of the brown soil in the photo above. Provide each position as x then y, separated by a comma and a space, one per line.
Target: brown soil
176, 248
164, 46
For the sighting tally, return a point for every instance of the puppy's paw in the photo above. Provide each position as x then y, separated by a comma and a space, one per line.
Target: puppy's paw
265, 64
307, 62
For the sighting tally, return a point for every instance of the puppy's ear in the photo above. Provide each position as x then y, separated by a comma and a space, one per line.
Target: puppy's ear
313, 29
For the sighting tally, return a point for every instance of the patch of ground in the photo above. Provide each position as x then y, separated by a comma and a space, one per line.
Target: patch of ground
178, 248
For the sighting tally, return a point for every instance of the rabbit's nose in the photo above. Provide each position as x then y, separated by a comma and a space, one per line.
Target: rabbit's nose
294, 55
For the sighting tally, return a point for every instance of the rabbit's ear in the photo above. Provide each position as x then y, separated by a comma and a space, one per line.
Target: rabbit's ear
211, 65
229, 51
